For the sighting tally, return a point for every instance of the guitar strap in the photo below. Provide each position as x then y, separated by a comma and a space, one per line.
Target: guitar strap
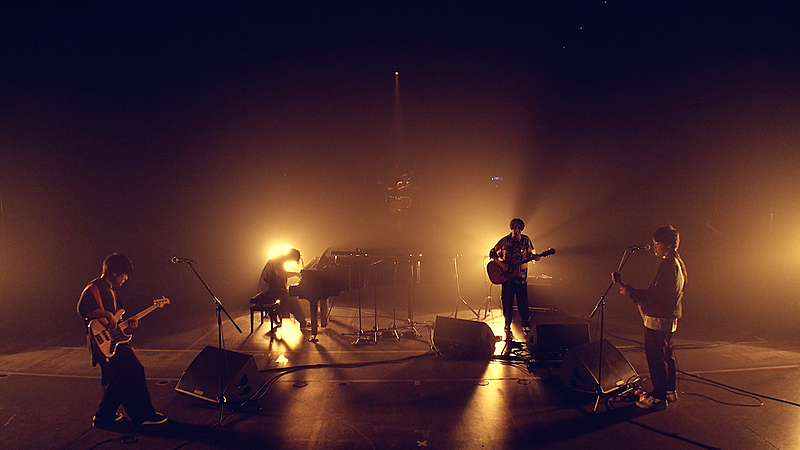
96, 355
92, 287
114, 296
96, 293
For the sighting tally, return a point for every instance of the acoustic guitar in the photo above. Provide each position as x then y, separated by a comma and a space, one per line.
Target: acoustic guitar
106, 341
500, 271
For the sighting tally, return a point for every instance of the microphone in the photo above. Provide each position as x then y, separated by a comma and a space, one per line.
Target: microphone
639, 247
176, 260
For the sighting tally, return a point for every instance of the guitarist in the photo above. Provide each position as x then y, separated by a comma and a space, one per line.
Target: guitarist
513, 250
660, 306
123, 379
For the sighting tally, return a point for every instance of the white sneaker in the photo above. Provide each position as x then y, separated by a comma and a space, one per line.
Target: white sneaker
509, 334
157, 419
99, 422
650, 402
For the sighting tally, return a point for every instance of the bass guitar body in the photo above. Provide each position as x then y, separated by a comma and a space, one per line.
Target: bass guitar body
106, 341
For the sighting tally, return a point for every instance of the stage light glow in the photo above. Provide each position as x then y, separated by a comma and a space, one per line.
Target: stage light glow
282, 249
279, 249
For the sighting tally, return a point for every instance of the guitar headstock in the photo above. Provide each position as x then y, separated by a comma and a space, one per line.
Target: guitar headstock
161, 302
548, 252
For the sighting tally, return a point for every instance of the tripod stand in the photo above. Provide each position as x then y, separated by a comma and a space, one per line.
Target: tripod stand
416, 267
361, 335
459, 298
392, 328
219, 309
488, 303
601, 306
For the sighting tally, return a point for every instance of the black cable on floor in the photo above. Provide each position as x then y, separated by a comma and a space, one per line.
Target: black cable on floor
610, 406
736, 390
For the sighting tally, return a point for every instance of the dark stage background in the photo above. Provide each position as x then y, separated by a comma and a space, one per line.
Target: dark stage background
215, 132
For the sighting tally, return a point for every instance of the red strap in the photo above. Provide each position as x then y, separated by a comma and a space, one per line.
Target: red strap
96, 292
114, 296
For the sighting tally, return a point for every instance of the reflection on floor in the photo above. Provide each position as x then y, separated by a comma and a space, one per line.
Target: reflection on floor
393, 390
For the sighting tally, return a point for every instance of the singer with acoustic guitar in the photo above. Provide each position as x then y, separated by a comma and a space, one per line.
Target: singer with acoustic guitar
123, 378
660, 306
513, 252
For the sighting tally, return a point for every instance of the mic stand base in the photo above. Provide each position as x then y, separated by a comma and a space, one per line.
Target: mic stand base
362, 336
391, 330
601, 307
488, 306
410, 323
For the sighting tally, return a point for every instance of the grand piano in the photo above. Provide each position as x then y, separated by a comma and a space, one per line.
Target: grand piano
337, 271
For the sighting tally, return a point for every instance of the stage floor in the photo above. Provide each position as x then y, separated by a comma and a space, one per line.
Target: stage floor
396, 392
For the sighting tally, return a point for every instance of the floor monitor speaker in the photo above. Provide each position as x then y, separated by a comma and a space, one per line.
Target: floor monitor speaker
552, 340
463, 339
240, 376
579, 370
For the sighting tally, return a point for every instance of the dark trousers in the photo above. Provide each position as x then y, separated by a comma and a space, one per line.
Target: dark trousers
124, 384
660, 361
288, 305
519, 291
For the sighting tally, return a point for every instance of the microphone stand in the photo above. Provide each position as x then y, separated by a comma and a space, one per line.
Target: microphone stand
601, 306
219, 309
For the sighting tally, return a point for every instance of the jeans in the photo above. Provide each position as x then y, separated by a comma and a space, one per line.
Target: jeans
660, 361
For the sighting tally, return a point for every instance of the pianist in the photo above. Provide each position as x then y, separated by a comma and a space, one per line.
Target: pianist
273, 286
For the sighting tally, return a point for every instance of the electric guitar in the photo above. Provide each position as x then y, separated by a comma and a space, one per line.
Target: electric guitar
106, 341
500, 271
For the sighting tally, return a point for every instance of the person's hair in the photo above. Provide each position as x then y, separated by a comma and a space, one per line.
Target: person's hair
117, 264
516, 221
668, 236
293, 254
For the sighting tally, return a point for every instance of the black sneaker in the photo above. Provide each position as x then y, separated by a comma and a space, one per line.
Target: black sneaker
101, 422
157, 419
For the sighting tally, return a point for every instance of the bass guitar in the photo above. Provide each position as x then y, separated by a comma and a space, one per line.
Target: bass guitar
500, 271
106, 341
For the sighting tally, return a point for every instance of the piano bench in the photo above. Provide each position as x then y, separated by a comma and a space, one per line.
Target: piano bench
270, 309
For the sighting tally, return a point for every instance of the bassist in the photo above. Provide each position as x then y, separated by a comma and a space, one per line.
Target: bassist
123, 378
514, 250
